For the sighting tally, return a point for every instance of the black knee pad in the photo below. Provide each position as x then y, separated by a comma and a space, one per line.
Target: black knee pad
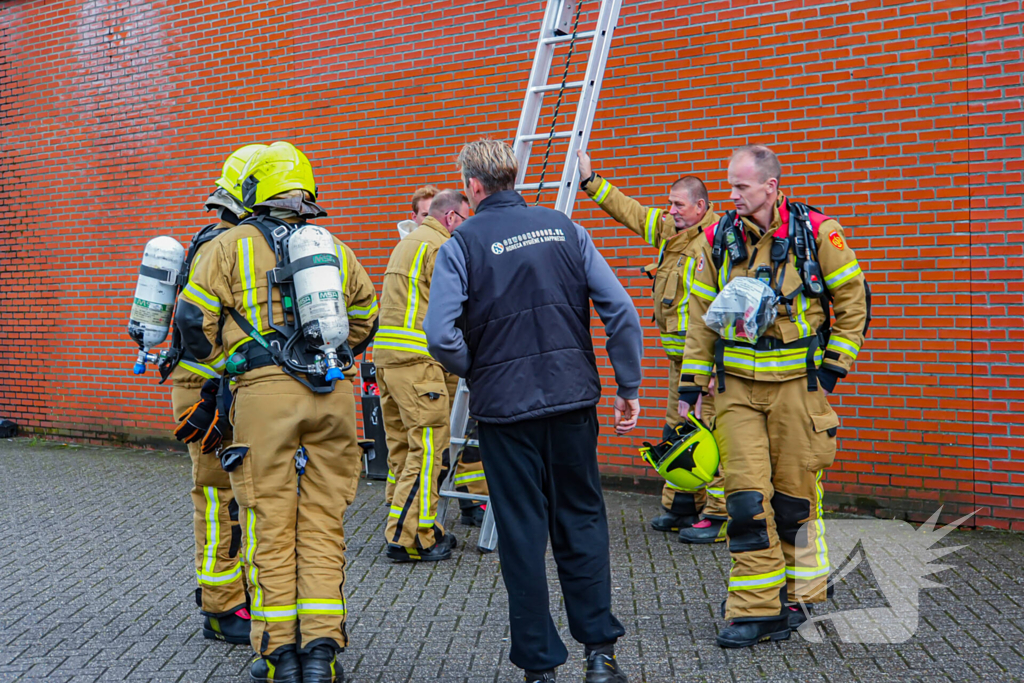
236, 540
233, 510
745, 532
788, 513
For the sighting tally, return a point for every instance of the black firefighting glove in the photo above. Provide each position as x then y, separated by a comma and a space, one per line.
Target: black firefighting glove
827, 379
689, 395
196, 421
214, 436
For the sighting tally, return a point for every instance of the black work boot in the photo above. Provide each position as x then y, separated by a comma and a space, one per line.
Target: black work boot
232, 627
281, 666
601, 665
669, 521
747, 633
539, 676
704, 531
441, 550
796, 615
320, 665
473, 515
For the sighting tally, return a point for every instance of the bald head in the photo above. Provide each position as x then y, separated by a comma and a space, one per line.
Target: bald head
764, 160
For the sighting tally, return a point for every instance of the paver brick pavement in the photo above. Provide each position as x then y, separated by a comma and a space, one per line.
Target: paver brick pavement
96, 584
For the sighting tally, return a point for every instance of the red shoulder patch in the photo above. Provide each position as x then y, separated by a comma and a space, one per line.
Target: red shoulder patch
700, 263
836, 240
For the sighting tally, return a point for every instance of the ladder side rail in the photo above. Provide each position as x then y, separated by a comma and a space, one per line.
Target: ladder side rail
587, 106
539, 73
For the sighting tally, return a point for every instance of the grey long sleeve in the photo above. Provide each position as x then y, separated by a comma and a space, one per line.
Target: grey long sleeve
621, 321
448, 293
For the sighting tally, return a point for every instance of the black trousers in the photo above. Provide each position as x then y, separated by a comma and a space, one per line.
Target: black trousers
543, 481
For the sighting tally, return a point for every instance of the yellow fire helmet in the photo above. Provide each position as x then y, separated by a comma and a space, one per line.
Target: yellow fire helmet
231, 175
276, 169
687, 459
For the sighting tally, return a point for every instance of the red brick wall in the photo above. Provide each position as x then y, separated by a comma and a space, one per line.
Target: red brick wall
903, 119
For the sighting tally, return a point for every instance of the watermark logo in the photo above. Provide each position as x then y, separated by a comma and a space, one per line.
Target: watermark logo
899, 557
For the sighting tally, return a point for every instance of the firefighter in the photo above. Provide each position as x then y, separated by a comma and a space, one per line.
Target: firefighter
221, 591
771, 396
415, 391
421, 199
295, 541
678, 235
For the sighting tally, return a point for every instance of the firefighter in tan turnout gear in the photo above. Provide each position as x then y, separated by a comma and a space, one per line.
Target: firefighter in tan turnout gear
415, 390
221, 591
771, 395
678, 235
288, 338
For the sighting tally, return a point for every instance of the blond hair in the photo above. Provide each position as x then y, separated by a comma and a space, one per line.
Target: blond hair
425, 192
491, 162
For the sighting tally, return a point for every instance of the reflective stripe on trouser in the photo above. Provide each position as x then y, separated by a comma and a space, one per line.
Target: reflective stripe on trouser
417, 430
778, 444
218, 569
295, 541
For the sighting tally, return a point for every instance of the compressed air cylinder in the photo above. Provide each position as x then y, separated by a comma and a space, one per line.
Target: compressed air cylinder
318, 293
150, 319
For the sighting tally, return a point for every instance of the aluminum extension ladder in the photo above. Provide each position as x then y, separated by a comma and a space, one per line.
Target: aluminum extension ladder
560, 19
560, 24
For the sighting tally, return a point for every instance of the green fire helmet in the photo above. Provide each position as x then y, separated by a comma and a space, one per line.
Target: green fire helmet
688, 459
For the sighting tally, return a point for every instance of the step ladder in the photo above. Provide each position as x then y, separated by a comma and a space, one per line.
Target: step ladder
560, 19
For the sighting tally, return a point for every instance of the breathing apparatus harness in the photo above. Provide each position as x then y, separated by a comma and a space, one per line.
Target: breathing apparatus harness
170, 358
286, 346
730, 240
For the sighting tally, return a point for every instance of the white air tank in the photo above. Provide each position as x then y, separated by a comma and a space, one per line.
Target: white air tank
150, 319
318, 293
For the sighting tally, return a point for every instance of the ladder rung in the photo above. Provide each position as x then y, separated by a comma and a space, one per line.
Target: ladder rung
461, 441
538, 186
544, 136
556, 86
582, 35
464, 496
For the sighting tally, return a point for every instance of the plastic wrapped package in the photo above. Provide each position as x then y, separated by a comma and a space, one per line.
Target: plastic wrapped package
743, 310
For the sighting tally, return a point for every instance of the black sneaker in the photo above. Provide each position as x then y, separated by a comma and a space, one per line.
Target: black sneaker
747, 633
704, 531
602, 668
231, 628
440, 551
539, 676
473, 515
320, 665
671, 522
280, 667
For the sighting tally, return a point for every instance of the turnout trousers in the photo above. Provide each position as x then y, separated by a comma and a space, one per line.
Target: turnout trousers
295, 541
415, 406
215, 520
779, 438
545, 483
709, 502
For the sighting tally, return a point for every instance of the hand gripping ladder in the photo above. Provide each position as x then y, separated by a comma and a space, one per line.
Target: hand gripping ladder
561, 21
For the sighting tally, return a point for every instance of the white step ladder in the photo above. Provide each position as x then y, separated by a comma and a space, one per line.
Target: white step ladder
561, 21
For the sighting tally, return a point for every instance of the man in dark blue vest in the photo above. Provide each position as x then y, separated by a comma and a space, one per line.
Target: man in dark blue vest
510, 311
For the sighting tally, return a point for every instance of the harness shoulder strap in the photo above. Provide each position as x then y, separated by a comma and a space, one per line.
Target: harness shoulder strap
718, 238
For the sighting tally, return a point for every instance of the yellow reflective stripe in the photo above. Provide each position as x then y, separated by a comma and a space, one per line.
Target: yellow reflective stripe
364, 313
696, 367
768, 361
247, 271
220, 578
673, 344
401, 339
843, 345
819, 523
250, 553
201, 297
843, 275
719, 493
212, 518
684, 303
723, 274
235, 346
802, 303
218, 362
391, 477
343, 270
195, 263
282, 613
199, 369
651, 226
321, 606
602, 191
702, 290
426, 519
395, 512
769, 580
412, 302
465, 478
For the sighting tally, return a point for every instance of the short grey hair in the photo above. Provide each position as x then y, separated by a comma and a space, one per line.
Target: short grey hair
445, 201
765, 161
693, 187
491, 162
